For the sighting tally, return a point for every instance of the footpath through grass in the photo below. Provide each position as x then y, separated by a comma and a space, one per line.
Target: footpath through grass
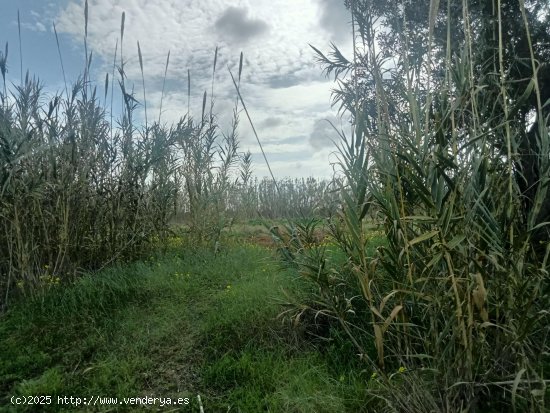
180, 324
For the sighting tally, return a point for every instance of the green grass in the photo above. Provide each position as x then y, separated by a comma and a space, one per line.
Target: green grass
180, 324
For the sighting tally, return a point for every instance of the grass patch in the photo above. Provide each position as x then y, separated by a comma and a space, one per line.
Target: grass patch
176, 325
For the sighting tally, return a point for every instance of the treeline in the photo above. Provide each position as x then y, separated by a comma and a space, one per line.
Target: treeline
279, 199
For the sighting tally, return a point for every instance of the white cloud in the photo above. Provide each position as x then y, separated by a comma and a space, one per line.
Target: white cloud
335, 19
325, 132
280, 78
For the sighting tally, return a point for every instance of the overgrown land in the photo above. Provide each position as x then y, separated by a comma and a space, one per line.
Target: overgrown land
416, 280
181, 323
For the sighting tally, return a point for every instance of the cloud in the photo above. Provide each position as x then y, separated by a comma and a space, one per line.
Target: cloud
34, 21
285, 81
284, 89
313, 164
335, 19
235, 24
35, 26
271, 122
323, 134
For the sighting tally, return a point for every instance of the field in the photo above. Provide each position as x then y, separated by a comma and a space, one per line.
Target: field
180, 324
140, 259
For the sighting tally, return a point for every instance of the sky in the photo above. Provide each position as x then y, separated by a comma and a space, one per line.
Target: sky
285, 91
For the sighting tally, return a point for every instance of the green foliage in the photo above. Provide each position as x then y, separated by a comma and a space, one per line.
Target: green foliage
431, 266
171, 327
457, 295
263, 383
51, 382
79, 191
285, 198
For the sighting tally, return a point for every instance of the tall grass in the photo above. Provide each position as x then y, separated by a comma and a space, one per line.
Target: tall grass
79, 189
285, 198
451, 314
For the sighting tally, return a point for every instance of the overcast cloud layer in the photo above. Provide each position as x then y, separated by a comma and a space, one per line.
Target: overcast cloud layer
283, 87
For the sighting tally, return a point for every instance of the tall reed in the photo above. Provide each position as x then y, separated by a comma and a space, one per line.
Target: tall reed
451, 314
79, 190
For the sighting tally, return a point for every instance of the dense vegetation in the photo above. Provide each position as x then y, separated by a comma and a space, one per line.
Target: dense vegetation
451, 148
179, 324
80, 189
427, 257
